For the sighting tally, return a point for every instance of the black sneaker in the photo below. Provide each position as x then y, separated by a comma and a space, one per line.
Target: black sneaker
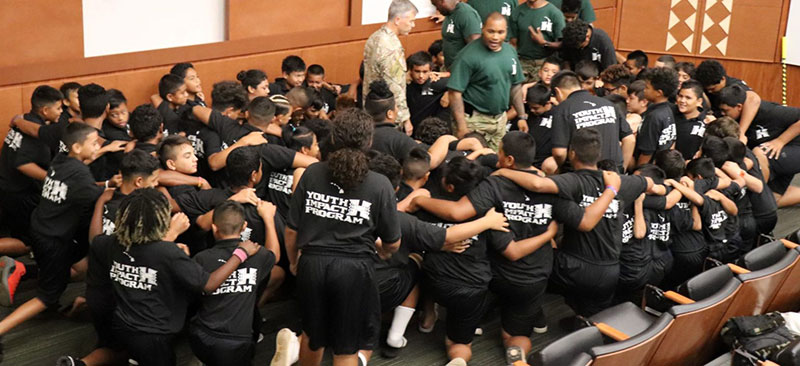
69, 361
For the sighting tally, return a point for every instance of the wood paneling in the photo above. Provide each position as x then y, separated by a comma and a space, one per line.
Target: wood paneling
35, 31
255, 18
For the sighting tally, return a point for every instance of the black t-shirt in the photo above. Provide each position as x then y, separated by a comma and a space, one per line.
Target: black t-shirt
770, 122
152, 284
339, 222
690, 134
203, 138
113, 160
172, 121
403, 191
583, 110
328, 99
600, 50
389, 140
200, 202
763, 203
279, 87
68, 196
657, 131
146, 147
424, 99
20, 149
417, 237
713, 98
229, 310
176, 191
541, 128
528, 215
51, 134
684, 238
277, 176
583, 187
110, 212
228, 130
97, 271
714, 221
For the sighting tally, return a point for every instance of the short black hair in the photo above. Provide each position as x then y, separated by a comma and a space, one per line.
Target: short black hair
430, 129
607, 165
385, 165
736, 149
694, 86
671, 162
732, 95
169, 84
521, 146
316, 69
420, 58
716, 149
639, 57
574, 34
261, 109
620, 103
45, 95
180, 69
251, 78
115, 98
435, 48
137, 163
651, 171
586, 70
379, 100
93, 99
539, 94
553, 60
565, 79
167, 149
664, 79
320, 127
293, 64
76, 133
240, 164
571, 6
463, 174
686, 67
701, 167
417, 163
710, 72
637, 89
668, 61
229, 218
145, 121
67, 87
300, 96
296, 138
587, 144
228, 94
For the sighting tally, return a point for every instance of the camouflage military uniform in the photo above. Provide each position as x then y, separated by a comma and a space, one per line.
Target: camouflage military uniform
384, 58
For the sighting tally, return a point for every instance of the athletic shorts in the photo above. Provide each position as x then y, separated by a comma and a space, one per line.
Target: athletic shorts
685, 265
783, 169
339, 302
520, 305
465, 308
101, 305
54, 258
17, 208
147, 348
765, 225
214, 350
394, 284
748, 231
587, 287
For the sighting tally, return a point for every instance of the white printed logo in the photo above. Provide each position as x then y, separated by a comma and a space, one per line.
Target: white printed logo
197, 144
547, 122
451, 28
699, 130
135, 277
62, 147
280, 182
225, 146
54, 190
717, 219
667, 135
246, 233
427, 91
506, 9
611, 211
513, 66
761, 132
108, 225
13, 140
659, 231
595, 117
537, 214
547, 25
354, 211
596, 56
627, 229
242, 280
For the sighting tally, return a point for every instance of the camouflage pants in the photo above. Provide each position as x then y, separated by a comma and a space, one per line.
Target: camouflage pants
491, 127
530, 69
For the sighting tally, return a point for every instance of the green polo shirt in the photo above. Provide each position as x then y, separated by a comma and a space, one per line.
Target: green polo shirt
463, 22
586, 13
485, 77
547, 18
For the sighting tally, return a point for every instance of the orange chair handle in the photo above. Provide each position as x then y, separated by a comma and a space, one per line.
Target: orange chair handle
611, 332
738, 270
678, 298
768, 363
788, 244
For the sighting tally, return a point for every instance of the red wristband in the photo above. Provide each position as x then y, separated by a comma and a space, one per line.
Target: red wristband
241, 254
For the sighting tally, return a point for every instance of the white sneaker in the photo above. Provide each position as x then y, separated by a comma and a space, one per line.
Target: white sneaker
287, 348
458, 361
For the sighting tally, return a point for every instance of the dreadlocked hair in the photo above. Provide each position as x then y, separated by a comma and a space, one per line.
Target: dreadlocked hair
143, 217
351, 137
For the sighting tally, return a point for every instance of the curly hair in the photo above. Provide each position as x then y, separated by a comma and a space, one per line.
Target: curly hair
145, 122
143, 217
430, 129
710, 72
664, 79
385, 165
617, 75
575, 34
227, 94
351, 137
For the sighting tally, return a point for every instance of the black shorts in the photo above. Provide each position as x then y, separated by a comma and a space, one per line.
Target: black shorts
783, 169
685, 265
465, 308
17, 208
765, 225
101, 305
394, 284
748, 231
520, 305
339, 302
54, 258
587, 287
147, 348
214, 350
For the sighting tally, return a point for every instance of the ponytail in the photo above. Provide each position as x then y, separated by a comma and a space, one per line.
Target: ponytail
297, 138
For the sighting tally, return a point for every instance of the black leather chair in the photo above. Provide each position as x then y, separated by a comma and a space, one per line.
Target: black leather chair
639, 349
767, 266
569, 350
787, 296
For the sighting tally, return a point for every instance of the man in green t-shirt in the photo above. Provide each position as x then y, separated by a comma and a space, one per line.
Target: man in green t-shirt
535, 30
483, 80
576, 9
486, 7
461, 25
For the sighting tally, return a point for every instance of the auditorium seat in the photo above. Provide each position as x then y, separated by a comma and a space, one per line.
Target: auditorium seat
639, 348
764, 271
787, 297
569, 350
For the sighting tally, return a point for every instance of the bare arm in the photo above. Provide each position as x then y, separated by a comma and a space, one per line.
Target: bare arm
560, 155
438, 151
773, 148
520, 249
516, 100
639, 224
749, 110
96, 225
728, 205
493, 220
697, 222
298, 173
303, 161
267, 212
290, 240
171, 178
628, 145
27, 127
221, 274
33, 170
449, 210
686, 191
457, 109
203, 114
594, 213
529, 181
673, 198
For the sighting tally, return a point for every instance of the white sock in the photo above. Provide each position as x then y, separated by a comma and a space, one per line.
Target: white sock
402, 315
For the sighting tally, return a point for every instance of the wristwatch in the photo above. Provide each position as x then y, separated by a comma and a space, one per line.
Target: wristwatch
523, 117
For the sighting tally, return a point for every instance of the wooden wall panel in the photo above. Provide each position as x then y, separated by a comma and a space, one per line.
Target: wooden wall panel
755, 29
255, 18
605, 20
10, 104
643, 25
36, 31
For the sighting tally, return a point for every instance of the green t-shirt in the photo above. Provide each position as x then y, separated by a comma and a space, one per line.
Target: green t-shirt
547, 18
486, 7
586, 13
463, 22
485, 77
